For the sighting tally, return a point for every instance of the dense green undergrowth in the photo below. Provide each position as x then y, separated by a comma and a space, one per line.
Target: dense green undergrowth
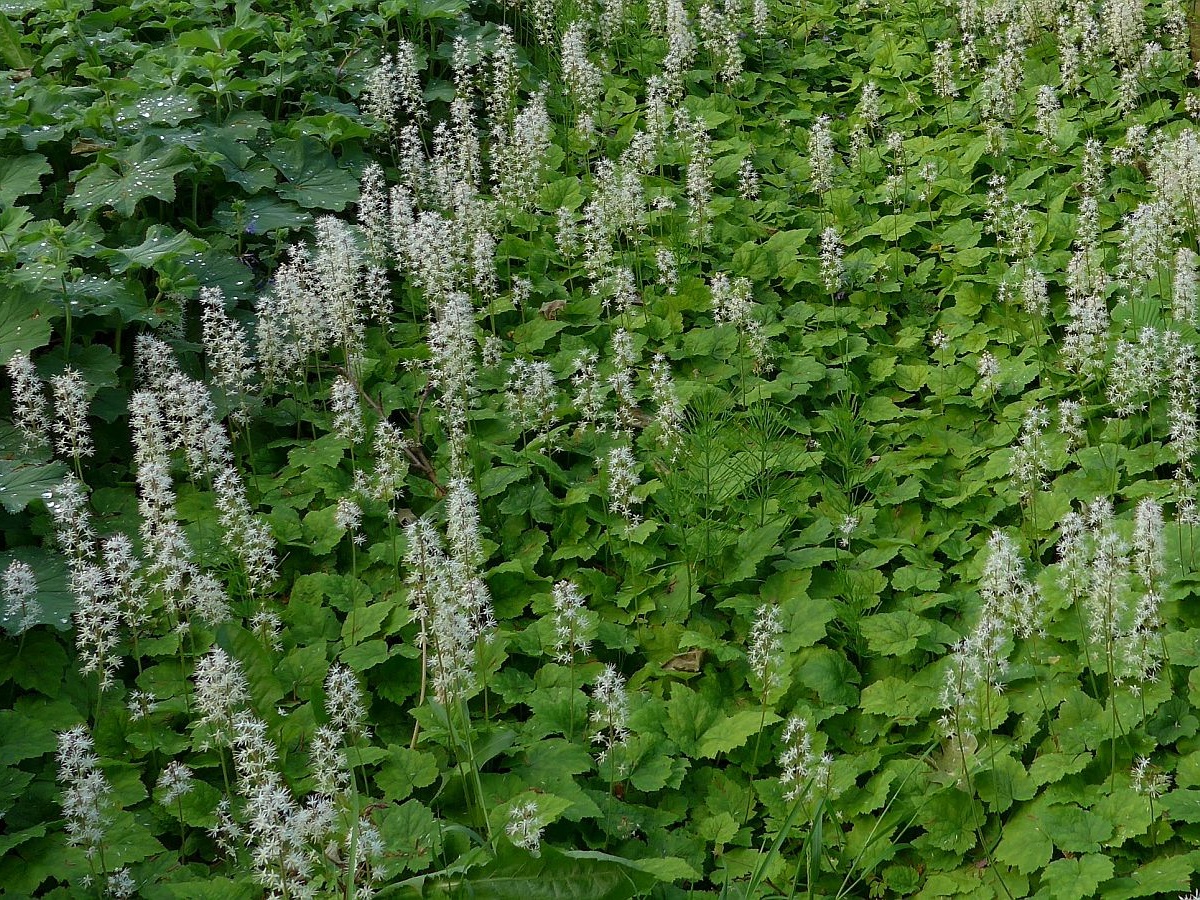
570, 450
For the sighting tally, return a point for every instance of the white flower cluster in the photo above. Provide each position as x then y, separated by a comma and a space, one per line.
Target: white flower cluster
765, 652
227, 349
1030, 455
610, 713
86, 790
72, 433
1118, 585
21, 608
524, 827
802, 766
30, 414
574, 624
733, 305
449, 598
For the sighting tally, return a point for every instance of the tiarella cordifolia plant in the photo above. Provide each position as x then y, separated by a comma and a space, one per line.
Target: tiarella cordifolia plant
507, 420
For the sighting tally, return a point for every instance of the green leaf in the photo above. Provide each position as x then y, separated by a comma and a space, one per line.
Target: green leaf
1183, 805
894, 633
1080, 724
688, 717
667, 868
411, 832
364, 622
23, 327
733, 731
831, 675
47, 675
1025, 845
1051, 767
95, 363
1073, 879
1164, 875
16, 839
314, 179
21, 175
20, 740
147, 169
321, 530
159, 108
160, 241
1076, 830
14, 55
21, 485
405, 771
263, 215
555, 875
214, 888
1003, 783
365, 655
241, 165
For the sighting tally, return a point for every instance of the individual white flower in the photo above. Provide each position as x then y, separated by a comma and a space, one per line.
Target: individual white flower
1034, 295
519, 154
1047, 114
733, 305
580, 75
668, 269
1149, 780
943, 71
1183, 287
868, 104
245, 534
669, 416
1148, 543
121, 884
1009, 596
1030, 456
97, 623
846, 529
589, 389
141, 704
1071, 423
391, 462
462, 524
394, 87
267, 626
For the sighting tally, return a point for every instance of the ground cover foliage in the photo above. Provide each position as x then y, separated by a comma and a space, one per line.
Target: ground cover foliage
567, 450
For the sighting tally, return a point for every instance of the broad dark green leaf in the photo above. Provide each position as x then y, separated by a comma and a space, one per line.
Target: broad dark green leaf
147, 169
